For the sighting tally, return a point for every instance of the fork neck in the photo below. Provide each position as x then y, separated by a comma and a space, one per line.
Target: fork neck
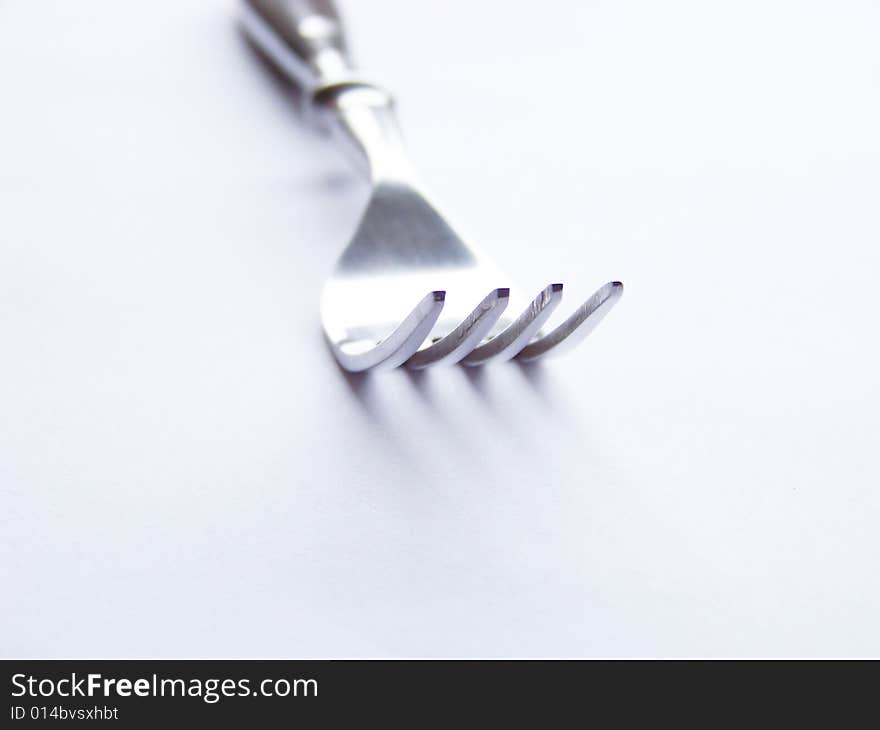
361, 115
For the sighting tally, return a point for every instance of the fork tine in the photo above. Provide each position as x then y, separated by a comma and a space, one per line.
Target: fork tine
576, 328
509, 342
402, 343
462, 340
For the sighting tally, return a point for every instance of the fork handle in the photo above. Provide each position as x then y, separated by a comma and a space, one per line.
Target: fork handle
304, 38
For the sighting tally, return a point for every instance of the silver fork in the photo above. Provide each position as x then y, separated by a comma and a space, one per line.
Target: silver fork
404, 254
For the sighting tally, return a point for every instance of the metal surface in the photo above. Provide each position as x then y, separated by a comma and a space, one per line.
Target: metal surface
406, 290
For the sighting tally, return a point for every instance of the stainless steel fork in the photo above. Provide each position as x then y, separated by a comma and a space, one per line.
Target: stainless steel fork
404, 256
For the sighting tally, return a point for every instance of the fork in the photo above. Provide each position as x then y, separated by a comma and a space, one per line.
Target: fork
404, 256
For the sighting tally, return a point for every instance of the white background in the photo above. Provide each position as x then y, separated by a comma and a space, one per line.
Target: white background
185, 472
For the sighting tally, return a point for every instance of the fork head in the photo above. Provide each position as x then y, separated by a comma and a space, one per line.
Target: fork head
408, 290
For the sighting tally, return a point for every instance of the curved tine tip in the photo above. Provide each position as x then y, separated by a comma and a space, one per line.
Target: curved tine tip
466, 336
402, 343
578, 326
516, 336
